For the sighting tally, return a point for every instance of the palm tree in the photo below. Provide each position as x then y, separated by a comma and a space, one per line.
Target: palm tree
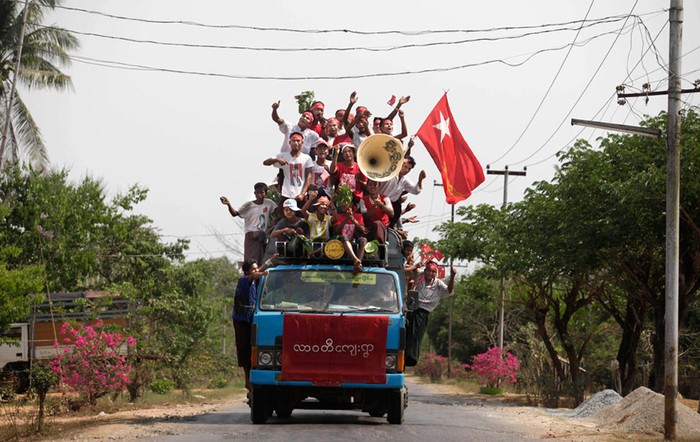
43, 49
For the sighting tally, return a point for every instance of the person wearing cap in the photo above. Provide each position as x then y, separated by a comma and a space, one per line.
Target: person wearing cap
290, 224
296, 167
431, 291
256, 214
309, 137
319, 221
399, 185
347, 171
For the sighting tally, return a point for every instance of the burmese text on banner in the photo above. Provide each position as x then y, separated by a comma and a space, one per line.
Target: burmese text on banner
330, 350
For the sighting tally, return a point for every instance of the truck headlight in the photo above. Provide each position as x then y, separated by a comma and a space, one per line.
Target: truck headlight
265, 358
390, 361
278, 358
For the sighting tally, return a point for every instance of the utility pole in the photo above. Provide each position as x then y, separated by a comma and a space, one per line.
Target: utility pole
13, 88
450, 305
673, 144
501, 309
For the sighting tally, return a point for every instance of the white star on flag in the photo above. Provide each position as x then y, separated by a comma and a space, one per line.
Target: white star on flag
443, 127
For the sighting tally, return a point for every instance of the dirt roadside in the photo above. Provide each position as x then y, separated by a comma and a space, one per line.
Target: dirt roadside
146, 423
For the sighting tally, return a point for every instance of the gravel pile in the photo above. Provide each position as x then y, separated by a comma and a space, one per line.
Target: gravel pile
642, 411
591, 405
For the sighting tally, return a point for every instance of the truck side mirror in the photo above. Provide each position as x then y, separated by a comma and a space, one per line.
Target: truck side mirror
412, 300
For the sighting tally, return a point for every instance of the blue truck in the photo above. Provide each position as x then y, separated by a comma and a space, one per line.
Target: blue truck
324, 337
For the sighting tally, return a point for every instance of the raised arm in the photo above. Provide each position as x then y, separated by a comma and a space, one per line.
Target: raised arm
234, 213
402, 101
404, 131
275, 116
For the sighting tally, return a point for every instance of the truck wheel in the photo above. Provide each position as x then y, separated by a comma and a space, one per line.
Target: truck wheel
377, 412
394, 413
283, 411
258, 406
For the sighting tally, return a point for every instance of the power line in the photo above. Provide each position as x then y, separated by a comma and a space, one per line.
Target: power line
549, 89
130, 66
582, 92
342, 49
329, 31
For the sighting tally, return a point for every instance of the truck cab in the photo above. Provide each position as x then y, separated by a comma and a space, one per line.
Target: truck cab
326, 337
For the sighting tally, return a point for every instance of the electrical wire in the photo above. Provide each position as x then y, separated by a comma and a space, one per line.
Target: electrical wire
549, 89
337, 49
327, 31
129, 66
582, 92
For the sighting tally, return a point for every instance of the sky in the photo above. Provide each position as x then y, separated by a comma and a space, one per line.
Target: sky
176, 96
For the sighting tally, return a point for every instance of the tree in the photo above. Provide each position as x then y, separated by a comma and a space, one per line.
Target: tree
44, 50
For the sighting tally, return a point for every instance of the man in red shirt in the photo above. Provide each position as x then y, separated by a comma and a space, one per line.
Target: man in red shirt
377, 210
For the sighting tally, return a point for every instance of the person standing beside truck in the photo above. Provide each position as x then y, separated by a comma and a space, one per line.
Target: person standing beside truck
256, 214
430, 292
243, 307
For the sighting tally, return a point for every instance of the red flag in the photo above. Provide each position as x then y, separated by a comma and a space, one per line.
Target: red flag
441, 272
460, 170
392, 100
438, 254
425, 247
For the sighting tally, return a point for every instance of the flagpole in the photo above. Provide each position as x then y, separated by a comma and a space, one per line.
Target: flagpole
450, 305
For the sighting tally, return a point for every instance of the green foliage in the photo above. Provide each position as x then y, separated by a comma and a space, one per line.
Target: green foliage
42, 379
161, 386
45, 49
218, 382
583, 257
304, 101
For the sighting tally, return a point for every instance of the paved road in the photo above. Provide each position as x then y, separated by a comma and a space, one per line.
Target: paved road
429, 416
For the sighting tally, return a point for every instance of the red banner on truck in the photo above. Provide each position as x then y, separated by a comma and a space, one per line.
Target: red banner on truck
330, 350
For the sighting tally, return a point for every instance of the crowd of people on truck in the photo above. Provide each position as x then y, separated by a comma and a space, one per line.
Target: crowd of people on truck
318, 158
318, 155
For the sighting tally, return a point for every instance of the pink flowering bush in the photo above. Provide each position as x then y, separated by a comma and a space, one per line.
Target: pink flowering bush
493, 368
95, 365
434, 366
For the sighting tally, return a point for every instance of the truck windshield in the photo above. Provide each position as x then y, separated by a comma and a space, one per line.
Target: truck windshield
329, 291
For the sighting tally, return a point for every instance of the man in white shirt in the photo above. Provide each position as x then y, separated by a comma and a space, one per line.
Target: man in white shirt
430, 292
400, 184
297, 168
256, 214
310, 138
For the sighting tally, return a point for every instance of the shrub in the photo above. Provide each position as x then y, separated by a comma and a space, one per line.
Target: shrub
493, 368
161, 386
433, 366
95, 365
218, 382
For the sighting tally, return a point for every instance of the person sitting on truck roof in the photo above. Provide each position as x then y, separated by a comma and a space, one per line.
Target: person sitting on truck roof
256, 214
320, 173
243, 306
350, 225
319, 221
377, 210
430, 292
290, 224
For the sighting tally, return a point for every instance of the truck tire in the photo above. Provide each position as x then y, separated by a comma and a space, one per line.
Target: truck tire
258, 405
283, 411
395, 410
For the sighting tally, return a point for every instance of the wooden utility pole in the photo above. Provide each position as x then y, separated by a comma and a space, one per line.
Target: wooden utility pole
501, 309
673, 145
450, 306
